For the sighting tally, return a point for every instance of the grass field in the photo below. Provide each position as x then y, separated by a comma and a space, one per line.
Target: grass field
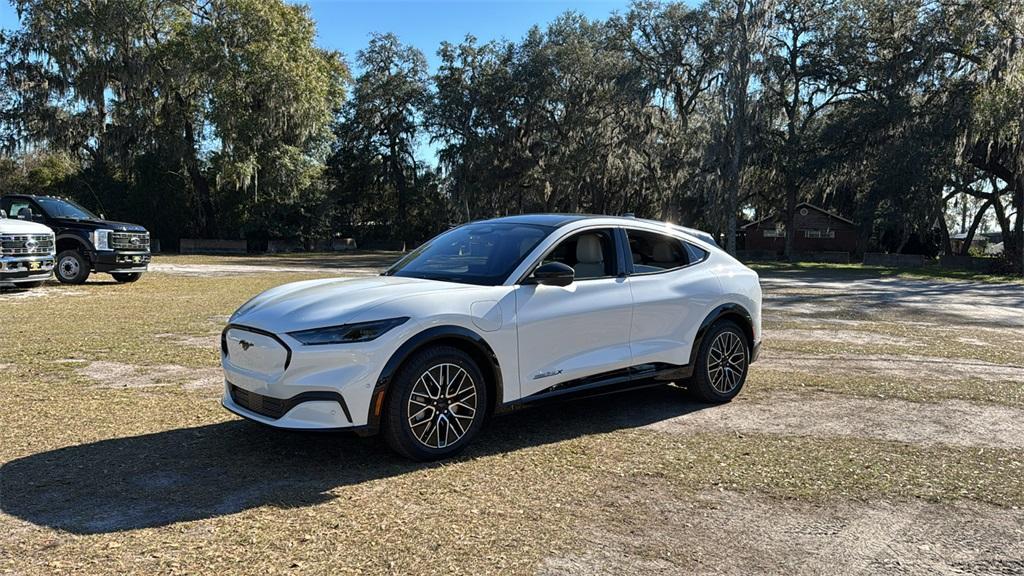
881, 432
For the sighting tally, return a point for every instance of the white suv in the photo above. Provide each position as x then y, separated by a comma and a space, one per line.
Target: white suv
26, 253
490, 316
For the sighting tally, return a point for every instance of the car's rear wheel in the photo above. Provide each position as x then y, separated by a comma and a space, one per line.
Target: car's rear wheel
72, 267
436, 405
722, 363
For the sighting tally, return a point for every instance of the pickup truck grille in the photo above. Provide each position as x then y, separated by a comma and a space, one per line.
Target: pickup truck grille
129, 241
26, 244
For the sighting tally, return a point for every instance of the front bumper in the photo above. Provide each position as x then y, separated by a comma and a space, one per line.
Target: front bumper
306, 411
120, 261
275, 380
16, 270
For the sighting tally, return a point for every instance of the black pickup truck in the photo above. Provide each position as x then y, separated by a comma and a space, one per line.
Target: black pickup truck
86, 243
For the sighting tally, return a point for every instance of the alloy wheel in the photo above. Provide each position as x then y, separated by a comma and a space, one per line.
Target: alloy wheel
727, 361
442, 406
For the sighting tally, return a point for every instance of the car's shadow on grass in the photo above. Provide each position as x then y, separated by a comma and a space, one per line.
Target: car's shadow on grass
208, 471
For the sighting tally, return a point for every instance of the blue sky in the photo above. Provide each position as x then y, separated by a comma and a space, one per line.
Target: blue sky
346, 25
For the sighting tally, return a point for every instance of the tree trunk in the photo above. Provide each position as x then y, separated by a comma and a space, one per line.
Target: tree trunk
790, 219
398, 178
1019, 201
947, 244
965, 249
206, 214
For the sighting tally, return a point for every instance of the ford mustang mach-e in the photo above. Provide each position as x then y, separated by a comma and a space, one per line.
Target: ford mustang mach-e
490, 316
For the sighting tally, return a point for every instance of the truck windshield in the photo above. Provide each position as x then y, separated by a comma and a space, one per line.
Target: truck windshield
482, 253
59, 208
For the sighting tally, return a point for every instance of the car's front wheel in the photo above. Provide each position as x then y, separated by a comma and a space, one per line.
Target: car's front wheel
722, 363
436, 406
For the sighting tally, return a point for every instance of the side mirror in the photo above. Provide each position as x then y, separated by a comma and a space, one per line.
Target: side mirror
3, 214
554, 274
103, 216
25, 214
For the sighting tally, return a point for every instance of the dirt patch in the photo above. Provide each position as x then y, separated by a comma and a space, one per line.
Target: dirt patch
963, 302
656, 532
927, 368
838, 336
41, 292
118, 375
953, 422
208, 341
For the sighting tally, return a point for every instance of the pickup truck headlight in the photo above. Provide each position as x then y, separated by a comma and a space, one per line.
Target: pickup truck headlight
347, 333
101, 239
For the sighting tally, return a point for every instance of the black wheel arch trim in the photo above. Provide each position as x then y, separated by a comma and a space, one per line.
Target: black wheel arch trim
417, 342
87, 245
725, 311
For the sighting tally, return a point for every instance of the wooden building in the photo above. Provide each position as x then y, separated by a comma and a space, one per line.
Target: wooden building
817, 230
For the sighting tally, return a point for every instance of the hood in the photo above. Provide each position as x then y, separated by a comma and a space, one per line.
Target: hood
15, 226
329, 302
98, 225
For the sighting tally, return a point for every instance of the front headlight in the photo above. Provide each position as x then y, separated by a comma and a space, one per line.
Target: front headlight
347, 333
101, 239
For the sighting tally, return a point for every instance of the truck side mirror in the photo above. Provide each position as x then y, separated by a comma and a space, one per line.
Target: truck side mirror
25, 214
3, 214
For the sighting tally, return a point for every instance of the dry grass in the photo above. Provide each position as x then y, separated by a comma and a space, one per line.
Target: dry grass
159, 479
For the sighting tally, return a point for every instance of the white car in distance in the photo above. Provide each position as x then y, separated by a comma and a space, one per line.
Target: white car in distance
490, 316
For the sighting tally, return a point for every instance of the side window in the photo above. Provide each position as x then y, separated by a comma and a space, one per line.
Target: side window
590, 253
696, 254
653, 252
21, 208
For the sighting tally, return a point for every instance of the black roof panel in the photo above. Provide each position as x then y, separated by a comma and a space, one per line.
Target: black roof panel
554, 220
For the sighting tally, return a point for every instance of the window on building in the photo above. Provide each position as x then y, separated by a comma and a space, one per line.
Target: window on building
813, 233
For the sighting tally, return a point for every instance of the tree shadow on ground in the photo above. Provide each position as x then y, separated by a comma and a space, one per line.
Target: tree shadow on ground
207, 471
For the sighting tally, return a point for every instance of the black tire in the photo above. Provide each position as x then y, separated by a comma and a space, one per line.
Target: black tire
417, 442
712, 382
126, 277
72, 267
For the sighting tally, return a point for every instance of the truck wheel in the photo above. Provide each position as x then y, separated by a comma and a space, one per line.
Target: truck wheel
72, 267
126, 277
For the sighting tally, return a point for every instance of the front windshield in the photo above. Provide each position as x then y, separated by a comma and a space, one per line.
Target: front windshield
58, 208
482, 253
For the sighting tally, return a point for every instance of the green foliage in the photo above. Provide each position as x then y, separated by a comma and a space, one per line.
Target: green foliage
222, 117
226, 105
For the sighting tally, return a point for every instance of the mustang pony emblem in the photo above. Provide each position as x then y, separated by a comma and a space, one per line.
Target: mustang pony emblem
245, 344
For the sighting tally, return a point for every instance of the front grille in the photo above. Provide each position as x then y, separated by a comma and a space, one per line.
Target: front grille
129, 241
26, 244
262, 405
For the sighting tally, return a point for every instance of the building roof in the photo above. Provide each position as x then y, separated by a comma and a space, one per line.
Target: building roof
802, 205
